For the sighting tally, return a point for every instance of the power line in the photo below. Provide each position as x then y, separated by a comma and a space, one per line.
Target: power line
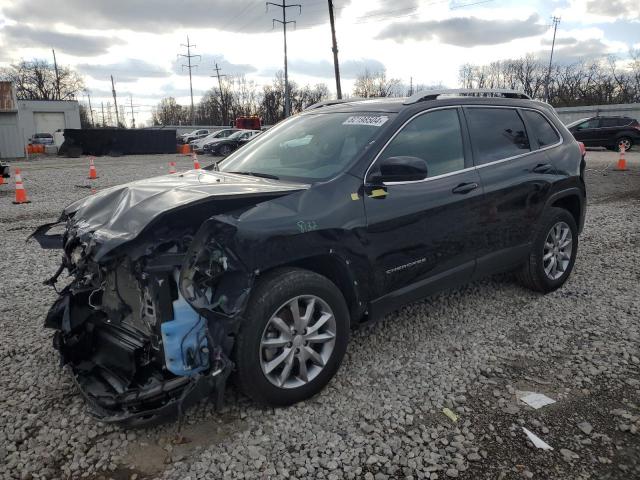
90, 110
383, 16
115, 102
55, 65
284, 22
556, 21
223, 103
133, 118
188, 56
334, 49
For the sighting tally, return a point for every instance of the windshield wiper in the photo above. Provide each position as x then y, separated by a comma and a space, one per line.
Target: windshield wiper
258, 174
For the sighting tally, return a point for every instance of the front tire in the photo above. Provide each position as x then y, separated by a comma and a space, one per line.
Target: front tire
553, 252
224, 150
293, 339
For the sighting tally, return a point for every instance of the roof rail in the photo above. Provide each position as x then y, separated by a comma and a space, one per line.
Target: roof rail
472, 92
328, 103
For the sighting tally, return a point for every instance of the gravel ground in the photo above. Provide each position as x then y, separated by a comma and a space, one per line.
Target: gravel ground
469, 350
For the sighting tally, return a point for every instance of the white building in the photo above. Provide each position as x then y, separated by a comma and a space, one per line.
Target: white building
21, 119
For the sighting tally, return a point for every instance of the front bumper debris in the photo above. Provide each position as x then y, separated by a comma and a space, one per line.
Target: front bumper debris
139, 349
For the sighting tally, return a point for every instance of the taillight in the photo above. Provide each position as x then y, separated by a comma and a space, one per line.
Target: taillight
583, 150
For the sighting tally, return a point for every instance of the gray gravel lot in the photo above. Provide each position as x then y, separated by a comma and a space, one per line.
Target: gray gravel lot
469, 350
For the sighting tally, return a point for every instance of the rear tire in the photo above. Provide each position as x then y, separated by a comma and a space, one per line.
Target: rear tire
626, 141
553, 252
309, 358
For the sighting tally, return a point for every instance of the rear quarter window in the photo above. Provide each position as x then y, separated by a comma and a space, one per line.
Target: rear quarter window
496, 134
540, 129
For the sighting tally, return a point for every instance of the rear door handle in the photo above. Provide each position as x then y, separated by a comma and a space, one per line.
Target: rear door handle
465, 188
542, 168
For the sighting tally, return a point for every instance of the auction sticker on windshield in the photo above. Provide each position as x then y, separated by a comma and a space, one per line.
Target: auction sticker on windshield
372, 120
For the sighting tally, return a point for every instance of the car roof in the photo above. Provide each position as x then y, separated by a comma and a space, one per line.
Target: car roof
428, 99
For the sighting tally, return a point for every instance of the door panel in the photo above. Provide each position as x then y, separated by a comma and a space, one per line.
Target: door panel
515, 186
422, 229
587, 132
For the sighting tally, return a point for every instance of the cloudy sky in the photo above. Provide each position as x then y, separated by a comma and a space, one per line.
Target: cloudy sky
137, 41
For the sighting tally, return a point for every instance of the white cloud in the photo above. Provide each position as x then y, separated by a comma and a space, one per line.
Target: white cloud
600, 11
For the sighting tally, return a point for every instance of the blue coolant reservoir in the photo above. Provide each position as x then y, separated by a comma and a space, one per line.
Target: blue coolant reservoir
185, 340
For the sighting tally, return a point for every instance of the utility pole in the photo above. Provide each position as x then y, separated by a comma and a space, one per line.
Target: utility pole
91, 110
556, 21
334, 48
223, 103
55, 66
102, 104
410, 86
115, 102
188, 56
133, 119
284, 22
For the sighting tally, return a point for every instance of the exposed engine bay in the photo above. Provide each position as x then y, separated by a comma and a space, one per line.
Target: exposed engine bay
147, 325
135, 345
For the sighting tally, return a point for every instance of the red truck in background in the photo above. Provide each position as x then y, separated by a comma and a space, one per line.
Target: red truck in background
248, 123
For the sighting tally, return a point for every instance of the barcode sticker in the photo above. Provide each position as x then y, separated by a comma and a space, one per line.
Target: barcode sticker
371, 120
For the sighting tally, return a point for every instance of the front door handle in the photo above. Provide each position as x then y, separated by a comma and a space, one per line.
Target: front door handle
465, 188
542, 168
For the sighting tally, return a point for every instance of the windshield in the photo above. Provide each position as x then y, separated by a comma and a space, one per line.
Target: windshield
236, 135
309, 147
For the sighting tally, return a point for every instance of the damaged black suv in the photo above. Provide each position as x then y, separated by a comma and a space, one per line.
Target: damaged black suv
258, 267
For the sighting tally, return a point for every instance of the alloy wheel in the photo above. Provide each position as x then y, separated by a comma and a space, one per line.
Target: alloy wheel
624, 142
557, 250
297, 342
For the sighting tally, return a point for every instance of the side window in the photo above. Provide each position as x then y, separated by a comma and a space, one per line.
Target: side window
496, 133
435, 137
592, 123
609, 122
540, 129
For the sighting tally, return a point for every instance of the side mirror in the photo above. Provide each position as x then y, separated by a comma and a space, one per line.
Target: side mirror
401, 169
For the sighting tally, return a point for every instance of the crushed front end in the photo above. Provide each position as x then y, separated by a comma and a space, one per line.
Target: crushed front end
127, 327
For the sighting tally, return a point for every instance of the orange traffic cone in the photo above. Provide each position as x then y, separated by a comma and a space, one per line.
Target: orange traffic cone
21, 193
196, 163
172, 167
92, 170
622, 162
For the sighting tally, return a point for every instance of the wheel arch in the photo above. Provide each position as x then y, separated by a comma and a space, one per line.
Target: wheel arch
572, 201
338, 271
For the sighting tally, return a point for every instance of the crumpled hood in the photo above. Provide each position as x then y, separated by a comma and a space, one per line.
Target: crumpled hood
119, 214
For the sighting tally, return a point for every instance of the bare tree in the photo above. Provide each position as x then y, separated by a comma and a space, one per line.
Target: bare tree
241, 97
375, 84
597, 82
169, 112
36, 80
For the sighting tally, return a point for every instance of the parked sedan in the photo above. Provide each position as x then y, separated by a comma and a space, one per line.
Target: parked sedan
42, 139
609, 132
225, 146
196, 134
198, 145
